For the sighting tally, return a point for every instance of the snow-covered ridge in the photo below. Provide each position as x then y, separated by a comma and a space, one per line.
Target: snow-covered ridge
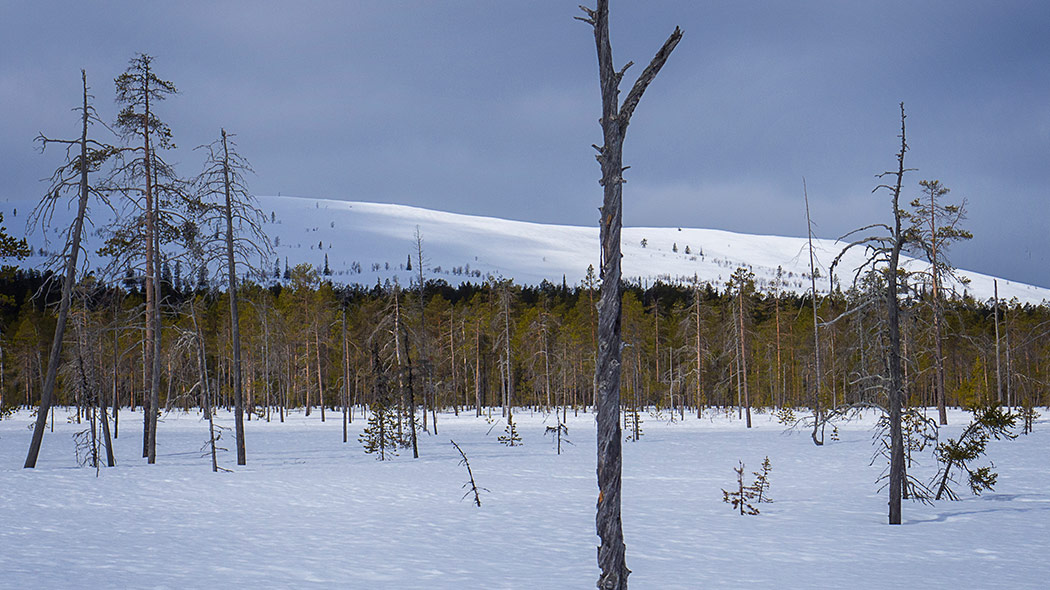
369, 242
366, 242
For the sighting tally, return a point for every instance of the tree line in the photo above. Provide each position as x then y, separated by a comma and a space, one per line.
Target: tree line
312, 346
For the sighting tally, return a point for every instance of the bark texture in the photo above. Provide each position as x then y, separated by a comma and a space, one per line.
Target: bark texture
615, 119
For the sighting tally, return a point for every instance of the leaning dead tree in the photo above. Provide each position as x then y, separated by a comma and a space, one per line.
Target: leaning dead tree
70, 180
615, 118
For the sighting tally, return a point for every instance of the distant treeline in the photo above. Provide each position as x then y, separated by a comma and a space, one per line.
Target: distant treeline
313, 345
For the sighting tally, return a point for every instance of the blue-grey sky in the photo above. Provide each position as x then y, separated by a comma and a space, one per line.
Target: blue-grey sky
490, 107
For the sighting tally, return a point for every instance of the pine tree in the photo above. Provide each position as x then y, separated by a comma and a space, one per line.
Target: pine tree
935, 225
147, 174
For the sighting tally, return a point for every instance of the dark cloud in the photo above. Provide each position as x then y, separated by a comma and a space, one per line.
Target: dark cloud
490, 107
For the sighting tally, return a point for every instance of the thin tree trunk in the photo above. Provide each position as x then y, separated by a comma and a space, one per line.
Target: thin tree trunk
68, 280
235, 327
320, 383
346, 379
743, 355
895, 395
818, 415
152, 281
998, 372
202, 371
942, 411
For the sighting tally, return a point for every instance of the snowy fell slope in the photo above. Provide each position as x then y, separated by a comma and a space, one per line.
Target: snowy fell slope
369, 242
379, 238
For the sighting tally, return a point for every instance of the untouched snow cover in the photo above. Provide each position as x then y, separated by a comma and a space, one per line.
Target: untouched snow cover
311, 512
370, 242
382, 237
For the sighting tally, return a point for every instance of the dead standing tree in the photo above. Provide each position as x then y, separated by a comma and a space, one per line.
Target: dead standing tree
884, 251
224, 201
614, 121
72, 176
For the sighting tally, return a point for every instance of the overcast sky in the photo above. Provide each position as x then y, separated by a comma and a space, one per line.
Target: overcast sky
490, 107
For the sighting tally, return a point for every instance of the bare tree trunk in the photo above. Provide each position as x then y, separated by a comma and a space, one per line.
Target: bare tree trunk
778, 391
202, 371
896, 384
942, 411
998, 371
346, 379
152, 283
699, 357
477, 369
320, 383
107, 439
235, 326
68, 281
743, 355
411, 403
1010, 402
818, 415
615, 119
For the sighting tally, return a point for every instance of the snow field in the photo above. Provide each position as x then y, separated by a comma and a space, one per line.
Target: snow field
310, 512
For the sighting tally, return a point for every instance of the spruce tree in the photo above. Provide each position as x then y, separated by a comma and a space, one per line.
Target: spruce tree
988, 422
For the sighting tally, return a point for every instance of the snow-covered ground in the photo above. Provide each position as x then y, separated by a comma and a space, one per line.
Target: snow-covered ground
311, 512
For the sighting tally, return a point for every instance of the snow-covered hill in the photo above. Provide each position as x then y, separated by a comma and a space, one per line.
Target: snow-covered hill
369, 242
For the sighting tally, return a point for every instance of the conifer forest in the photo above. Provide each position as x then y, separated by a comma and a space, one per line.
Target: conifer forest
314, 347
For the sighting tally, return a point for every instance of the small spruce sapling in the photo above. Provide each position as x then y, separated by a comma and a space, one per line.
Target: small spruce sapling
632, 420
786, 416
988, 422
741, 497
510, 435
761, 485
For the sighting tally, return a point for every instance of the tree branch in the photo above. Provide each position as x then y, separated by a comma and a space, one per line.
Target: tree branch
647, 76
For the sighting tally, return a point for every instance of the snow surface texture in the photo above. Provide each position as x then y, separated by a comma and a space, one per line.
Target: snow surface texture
310, 512
370, 242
